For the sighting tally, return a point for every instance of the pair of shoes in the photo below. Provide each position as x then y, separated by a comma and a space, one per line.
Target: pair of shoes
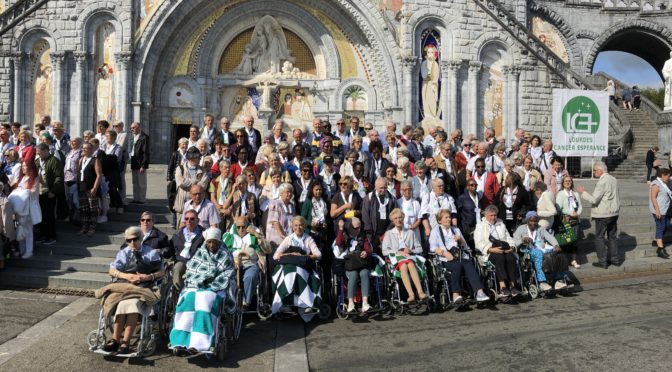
601, 266
26, 256
124, 348
423, 299
560, 284
49, 241
617, 264
661, 254
366, 308
504, 292
351, 308
458, 300
665, 252
111, 346
481, 296
575, 264
192, 351
543, 286
309, 310
515, 292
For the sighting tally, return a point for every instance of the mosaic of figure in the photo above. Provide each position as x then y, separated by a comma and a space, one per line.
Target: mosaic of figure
105, 73
431, 74
550, 36
43, 88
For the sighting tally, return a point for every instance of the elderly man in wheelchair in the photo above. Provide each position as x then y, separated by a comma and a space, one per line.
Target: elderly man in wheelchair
209, 288
545, 253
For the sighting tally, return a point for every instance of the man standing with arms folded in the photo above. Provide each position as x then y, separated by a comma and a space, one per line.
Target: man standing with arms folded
605, 205
51, 187
139, 163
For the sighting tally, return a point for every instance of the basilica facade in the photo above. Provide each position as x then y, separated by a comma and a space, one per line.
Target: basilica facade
166, 63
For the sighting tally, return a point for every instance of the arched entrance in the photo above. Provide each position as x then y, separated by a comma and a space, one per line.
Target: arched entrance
295, 61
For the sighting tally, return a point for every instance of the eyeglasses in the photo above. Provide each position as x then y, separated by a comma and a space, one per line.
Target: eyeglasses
471, 185
190, 218
195, 193
239, 136
145, 220
305, 170
241, 227
343, 184
132, 240
368, 128
466, 145
479, 166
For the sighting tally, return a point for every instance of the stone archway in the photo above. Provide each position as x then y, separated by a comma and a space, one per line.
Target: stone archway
193, 34
649, 41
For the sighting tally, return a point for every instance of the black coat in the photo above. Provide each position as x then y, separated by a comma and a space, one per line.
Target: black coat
140, 157
176, 245
465, 211
370, 171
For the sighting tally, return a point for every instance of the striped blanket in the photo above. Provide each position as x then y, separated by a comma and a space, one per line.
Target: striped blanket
418, 260
196, 317
295, 286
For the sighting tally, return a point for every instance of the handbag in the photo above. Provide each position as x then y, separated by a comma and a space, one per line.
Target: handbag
35, 211
302, 261
565, 234
572, 221
355, 262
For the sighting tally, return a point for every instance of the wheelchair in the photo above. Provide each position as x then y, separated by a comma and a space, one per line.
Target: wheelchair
529, 277
228, 329
441, 286
145, 335
488, 274
379, 290
262, 297
398, 295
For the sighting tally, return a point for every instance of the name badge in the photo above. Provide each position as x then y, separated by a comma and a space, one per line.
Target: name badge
383, 212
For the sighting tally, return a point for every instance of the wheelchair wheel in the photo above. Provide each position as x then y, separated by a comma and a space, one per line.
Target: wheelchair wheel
533, 291
149, 347
264, 311
492, 293
342, 311
386, 308
96, 340
325, 311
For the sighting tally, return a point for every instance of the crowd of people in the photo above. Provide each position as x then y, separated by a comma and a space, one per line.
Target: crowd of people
49, 175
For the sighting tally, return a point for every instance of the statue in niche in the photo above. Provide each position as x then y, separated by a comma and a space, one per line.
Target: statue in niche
43, 93
667, 75
267, 51
105, 108
430, 72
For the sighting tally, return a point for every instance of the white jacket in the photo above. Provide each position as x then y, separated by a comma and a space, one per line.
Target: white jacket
482, 237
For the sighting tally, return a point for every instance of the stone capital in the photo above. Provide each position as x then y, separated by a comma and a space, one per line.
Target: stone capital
80, 56
57, 59
475, 66
409, 62
123, 60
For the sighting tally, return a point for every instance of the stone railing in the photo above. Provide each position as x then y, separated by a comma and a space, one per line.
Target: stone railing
625, 5
17, 12
532, 43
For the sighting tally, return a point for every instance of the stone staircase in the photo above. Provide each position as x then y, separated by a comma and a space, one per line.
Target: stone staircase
645, 134
81, 262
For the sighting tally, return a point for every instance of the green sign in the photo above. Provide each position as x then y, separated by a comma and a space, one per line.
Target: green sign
581, 115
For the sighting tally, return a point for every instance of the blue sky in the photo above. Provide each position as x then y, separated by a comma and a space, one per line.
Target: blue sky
628, 68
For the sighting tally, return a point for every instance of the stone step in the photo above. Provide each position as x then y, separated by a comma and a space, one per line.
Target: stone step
647, 264
43, 260
41, 278
108, 251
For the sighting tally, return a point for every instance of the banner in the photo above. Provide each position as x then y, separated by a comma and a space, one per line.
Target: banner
580, 122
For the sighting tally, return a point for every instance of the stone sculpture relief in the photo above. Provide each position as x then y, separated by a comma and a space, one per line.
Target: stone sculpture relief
267, 51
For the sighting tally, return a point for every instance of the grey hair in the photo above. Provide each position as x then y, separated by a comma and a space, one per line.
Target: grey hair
601, 165
182, 140
405, 183
491, 209
286, 187
224, 161
436, 181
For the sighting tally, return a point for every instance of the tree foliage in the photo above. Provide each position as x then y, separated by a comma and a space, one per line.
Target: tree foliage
655, 95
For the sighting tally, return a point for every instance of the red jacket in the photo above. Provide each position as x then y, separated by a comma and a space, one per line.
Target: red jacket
28, 153
490, 189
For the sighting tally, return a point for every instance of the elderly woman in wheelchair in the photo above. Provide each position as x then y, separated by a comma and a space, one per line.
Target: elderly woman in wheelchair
544, 252
209, 288
134, 270
450, 248
296, 280
402, 247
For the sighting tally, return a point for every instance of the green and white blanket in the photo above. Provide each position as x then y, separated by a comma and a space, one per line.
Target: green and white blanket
418, 260
296, 286
196, 318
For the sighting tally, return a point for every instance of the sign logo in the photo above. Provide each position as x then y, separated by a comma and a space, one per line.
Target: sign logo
581, 115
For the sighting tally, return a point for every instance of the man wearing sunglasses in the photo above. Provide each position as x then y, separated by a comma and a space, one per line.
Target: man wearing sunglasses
355, 130
183, 246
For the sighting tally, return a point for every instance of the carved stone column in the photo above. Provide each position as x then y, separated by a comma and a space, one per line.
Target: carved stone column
506, 101
474, 69
18, 59
408, 64
123, 61
454, 68
512, 89
80, 100
57, 59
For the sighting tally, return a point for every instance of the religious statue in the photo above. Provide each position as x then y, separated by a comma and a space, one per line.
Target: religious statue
667, 75
267, 51
265, 88
43, 93
430, 72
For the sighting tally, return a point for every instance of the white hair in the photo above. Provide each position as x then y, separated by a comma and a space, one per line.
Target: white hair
601, 165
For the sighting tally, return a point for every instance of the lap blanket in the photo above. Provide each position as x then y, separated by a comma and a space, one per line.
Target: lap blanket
196, 317
296, 286
419, 262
